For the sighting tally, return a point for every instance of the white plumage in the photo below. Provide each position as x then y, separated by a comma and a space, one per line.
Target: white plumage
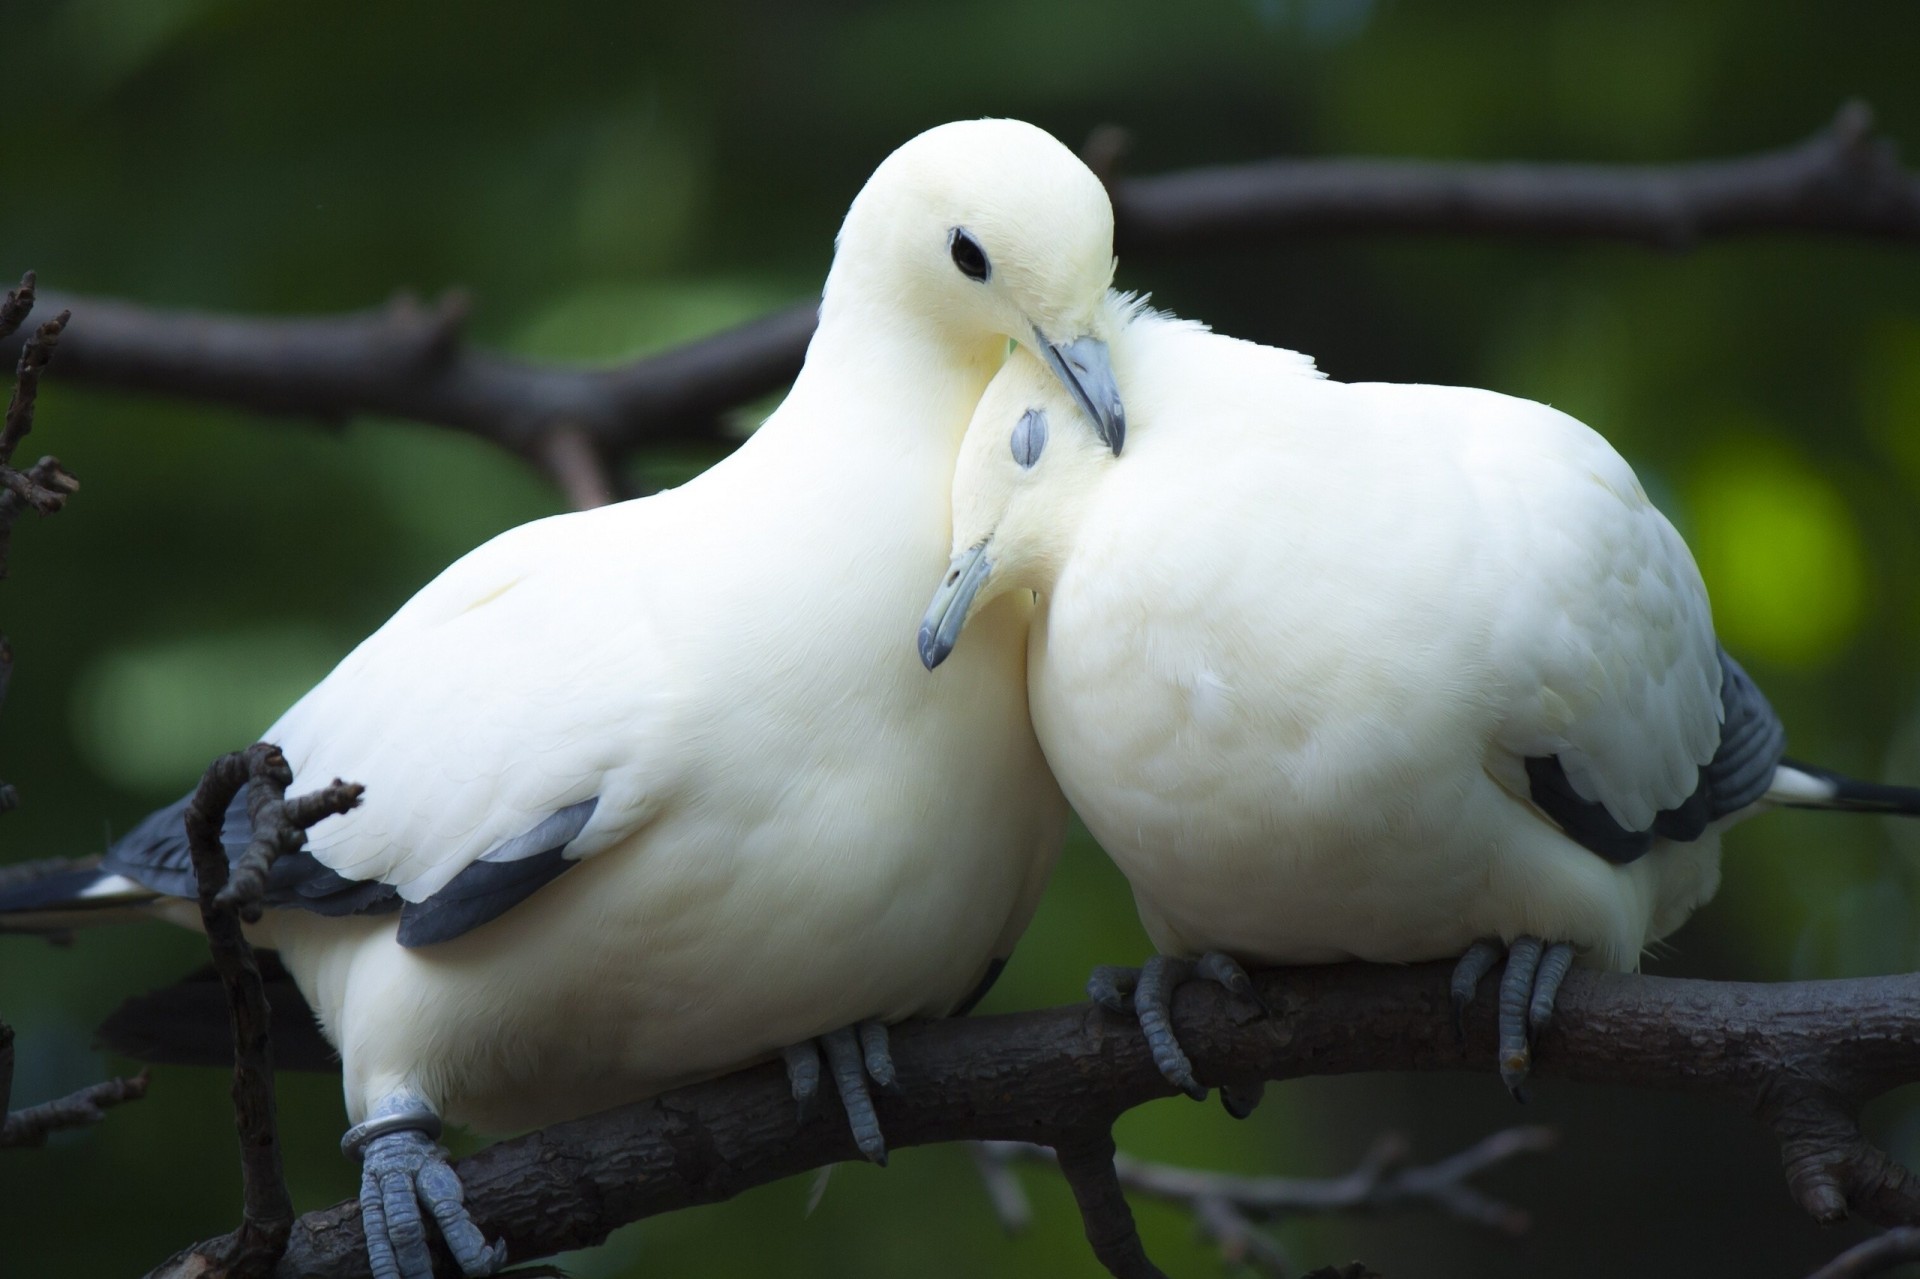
1299, 641
774, 853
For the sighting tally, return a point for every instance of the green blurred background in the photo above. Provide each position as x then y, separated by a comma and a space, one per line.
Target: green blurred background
609, 178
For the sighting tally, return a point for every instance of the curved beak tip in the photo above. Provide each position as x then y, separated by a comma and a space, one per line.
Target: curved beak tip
946, 615
932, 651
1085, 367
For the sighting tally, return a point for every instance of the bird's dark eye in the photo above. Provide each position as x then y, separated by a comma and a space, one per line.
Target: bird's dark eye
968, 255
1029, 437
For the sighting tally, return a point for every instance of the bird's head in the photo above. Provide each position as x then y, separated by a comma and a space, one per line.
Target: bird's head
991, 229
1028, 467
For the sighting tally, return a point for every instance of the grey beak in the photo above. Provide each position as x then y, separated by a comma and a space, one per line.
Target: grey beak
1086, 370
940, 628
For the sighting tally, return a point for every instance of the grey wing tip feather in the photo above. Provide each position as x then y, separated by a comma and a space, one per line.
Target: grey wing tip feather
500, 879
1752, 742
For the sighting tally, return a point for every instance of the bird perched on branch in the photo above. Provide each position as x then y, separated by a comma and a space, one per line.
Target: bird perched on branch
653, 791
1371, 672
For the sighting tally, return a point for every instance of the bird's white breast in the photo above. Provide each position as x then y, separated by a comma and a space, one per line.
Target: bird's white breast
824, 832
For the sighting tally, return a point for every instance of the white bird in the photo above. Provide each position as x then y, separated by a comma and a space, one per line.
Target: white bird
1362, 672
656, 791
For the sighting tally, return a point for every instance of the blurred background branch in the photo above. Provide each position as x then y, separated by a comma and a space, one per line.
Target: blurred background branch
1228, 1210
412, 360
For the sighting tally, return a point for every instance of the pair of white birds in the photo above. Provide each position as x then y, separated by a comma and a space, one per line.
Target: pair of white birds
657, 790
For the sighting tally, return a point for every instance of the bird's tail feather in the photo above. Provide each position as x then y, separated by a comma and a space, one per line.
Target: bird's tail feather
57, 896
1797, 785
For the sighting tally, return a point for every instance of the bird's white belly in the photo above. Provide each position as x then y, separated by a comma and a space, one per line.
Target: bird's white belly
1262, 820
588, 994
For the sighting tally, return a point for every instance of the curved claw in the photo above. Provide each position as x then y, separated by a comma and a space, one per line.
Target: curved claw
1240, 1100
402, 1172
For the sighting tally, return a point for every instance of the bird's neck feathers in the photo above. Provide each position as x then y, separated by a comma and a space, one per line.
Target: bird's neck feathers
882, 371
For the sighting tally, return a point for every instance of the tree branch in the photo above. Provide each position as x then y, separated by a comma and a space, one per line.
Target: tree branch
1059, 1074
1841, 181
412, 361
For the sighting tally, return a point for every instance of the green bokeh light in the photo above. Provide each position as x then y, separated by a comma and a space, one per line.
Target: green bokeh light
1783, 556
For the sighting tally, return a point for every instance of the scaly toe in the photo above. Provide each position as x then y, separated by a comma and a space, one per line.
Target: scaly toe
803, 1078
1152, 1004
1475, 964
848, 1065
1112, 986
1546, 987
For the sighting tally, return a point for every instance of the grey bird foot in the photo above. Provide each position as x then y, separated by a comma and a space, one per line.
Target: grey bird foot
403, 1169
1146, 993
855, 1055
1534, 972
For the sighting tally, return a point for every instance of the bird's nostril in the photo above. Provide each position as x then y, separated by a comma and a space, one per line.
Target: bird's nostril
953, 577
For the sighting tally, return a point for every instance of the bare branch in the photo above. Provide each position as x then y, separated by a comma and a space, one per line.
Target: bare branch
1841, 181
46, 485
1227, 1207
1086, 1161
34, 356
279, 826
1883, 1252
17, 306
411, 361
1078, 1068
31, 1126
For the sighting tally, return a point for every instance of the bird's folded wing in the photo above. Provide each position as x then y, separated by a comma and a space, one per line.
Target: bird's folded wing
510, 719
1606, 639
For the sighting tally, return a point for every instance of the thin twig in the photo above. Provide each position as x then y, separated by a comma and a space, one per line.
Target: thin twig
279, 827
1883, 1252
411, 361
34, 357
30, 1126
17, 306
46, 485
